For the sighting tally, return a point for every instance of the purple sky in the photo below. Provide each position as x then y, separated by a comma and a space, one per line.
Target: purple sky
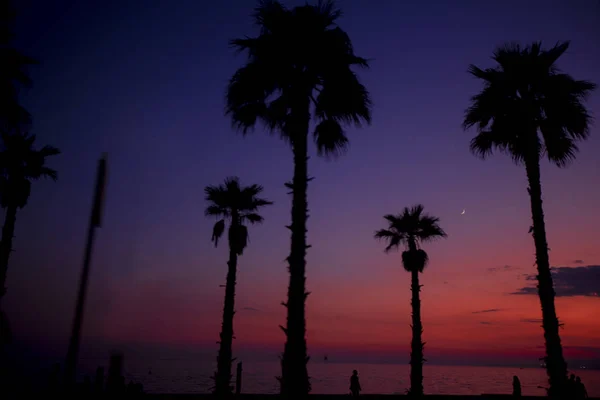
145, 82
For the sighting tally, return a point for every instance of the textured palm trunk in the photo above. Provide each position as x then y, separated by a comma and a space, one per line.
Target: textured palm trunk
556, 367
223, 386
295, 383
416, 354
6, 246
416, 346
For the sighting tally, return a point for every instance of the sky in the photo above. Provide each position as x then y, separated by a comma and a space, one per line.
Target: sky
144, 81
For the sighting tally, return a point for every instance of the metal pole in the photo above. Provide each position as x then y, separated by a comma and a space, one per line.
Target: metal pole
72, 353
238, 379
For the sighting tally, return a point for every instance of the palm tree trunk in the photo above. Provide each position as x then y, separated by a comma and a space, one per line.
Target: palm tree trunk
223, 387
416, 354
8, 232
294, 374
556, 367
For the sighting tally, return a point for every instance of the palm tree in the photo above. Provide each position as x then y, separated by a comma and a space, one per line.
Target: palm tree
299, 66
13, 74
529, 109
20, 164
411, 228
239, 205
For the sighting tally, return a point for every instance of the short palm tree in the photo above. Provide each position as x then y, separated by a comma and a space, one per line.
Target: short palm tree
529, 109
239, 205
411, 228
299, 68
20, 164
13, 74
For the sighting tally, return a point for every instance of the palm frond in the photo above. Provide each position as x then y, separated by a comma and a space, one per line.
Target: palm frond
218, 230
343, 98
559, 148
552, 55
253, 218
429, 229
392, 238
411, 225
258, 203
483, 144
21, 163
298, 50
327, 9
49, 172
269, 15
527, 107
216, 211
252, 190
330, 138
47, 151
246, 96
238, 203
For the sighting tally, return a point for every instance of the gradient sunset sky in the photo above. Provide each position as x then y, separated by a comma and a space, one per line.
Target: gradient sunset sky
145, 82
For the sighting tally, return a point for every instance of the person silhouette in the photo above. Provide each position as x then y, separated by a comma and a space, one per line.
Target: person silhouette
580, 392
355, 384
516, 387
572, 385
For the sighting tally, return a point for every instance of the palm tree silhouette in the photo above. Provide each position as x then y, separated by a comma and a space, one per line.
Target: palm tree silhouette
299, 66
20, 164
239, 205
529, 109
13, 75
411, 228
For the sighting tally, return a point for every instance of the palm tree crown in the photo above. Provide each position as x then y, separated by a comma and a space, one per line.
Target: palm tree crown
20, 163
300, 55
13, 74
528, 107
229, 201
411, 228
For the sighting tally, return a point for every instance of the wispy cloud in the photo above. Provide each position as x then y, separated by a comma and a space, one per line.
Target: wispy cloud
577, 261
570, 281
486, 323
503, 268
489, 310
531, 320
250, 309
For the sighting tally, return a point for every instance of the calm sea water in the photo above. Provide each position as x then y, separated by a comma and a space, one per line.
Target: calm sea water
186, 376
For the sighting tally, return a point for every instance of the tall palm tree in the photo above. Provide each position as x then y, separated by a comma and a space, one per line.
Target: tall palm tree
411, 228
529, 109
299, 69
20, 164
13, 74
239, 205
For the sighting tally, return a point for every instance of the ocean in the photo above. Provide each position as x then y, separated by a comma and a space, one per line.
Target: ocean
189, 376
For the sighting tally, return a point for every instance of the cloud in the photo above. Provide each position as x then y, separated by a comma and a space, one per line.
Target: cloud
503, 268
532, 320
250, 309
570, 281
486, 323
577, 261
489, 310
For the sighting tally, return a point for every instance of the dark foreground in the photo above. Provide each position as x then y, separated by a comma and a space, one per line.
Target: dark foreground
347, 396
